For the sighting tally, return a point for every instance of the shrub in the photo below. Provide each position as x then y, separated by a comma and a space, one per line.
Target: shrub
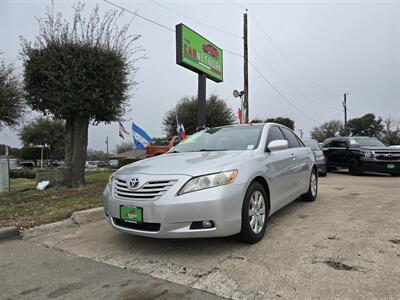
23, 173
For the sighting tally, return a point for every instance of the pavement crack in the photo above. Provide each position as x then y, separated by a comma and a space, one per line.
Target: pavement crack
336, 264
395, 241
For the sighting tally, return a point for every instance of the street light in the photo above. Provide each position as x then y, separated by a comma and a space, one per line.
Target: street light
240, 95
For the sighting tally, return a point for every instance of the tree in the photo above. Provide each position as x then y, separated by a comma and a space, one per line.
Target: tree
390, 134
47, 133
96, 154
81, 73
217, 114
11, 100
327, 130
280, 120
124, 147
366, 125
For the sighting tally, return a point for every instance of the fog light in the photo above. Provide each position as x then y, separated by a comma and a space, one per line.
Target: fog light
202, 224
207, 224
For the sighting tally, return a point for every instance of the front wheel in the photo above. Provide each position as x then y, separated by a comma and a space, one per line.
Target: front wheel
254, 214
312, 192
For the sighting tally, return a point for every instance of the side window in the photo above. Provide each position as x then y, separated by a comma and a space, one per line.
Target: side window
291, 138
338, 144
274, 133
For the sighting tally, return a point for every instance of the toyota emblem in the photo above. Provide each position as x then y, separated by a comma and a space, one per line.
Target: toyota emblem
134, 183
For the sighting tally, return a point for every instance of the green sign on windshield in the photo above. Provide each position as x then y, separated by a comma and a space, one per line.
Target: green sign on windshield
198, 54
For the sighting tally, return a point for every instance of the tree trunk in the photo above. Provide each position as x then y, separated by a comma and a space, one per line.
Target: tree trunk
69, 147
75, 152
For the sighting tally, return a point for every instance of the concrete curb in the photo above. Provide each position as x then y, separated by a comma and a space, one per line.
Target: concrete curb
9, 233
78, 218
88, 216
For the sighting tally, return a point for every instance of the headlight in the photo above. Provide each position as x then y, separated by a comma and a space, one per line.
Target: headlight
208, 181
369, 154
321, 157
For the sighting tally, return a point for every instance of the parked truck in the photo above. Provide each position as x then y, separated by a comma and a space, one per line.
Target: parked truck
161, 148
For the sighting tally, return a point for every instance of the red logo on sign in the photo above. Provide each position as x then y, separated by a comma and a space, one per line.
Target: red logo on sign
211, 50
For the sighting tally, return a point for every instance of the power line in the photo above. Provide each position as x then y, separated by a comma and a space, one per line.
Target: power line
195, 20
281, 95
159, 24
281, 51
289, 83
140, 16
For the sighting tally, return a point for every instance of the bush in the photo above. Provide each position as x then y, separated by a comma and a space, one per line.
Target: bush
127, 161
23, 173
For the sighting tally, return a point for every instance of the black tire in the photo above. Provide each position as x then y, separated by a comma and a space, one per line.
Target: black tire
311, 196
247, 234
323, 174
395, 174
354, 167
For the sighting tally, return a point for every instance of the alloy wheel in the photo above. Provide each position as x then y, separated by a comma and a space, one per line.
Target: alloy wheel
257, 212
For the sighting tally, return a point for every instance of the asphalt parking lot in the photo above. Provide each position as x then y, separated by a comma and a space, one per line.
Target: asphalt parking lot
344, 245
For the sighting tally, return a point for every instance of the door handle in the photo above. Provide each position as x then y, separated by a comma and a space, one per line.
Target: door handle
293, 156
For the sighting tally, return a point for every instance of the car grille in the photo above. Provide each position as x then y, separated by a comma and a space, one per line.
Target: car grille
394, 156
154, 227
151, 190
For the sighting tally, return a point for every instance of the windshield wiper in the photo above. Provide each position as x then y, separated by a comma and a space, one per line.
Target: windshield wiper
204, 150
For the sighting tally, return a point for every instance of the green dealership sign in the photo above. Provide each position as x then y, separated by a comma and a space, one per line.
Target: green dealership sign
198, 54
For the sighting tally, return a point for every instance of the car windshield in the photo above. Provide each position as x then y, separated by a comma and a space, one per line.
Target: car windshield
365, 141
222, 139
312, 144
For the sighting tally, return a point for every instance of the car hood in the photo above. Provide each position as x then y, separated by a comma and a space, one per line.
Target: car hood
380, 149
186, 163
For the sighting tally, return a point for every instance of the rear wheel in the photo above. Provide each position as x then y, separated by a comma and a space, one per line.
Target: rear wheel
354, 167
254, 214
312, 192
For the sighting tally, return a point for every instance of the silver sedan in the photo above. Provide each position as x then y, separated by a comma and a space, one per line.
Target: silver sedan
219, 182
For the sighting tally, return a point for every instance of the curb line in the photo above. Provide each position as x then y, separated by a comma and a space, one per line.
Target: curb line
9, 233
77, 218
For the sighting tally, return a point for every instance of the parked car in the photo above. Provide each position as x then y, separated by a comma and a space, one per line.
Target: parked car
28, 164
91, 165
218, 182
362, 154
319, 156
158, 149
395, 146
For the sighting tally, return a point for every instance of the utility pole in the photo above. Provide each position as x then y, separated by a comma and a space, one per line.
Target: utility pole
246, 70
107, 146
345, 110
301, 133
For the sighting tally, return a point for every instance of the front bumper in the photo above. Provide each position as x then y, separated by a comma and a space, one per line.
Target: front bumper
321, 164
171, 216
380, 166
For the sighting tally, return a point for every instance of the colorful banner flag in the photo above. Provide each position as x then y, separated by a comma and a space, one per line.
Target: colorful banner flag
180, 129
140, 137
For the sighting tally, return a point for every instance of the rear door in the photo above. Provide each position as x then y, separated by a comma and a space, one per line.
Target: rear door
300, 162
277, 171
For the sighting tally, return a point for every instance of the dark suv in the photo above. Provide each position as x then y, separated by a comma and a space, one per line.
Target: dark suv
361, 154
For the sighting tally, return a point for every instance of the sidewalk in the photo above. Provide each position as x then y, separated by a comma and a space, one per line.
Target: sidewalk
30, 271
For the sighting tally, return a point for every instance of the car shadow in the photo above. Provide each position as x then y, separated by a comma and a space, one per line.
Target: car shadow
346, 172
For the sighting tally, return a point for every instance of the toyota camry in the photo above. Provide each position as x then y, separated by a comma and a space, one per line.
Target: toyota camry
219, 182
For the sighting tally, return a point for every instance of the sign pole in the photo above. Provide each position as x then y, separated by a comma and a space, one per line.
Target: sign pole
8, 169
201, 110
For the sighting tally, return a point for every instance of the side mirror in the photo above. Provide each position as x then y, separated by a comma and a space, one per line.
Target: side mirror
278, 145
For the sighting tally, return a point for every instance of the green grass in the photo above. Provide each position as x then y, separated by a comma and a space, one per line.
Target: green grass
26, 207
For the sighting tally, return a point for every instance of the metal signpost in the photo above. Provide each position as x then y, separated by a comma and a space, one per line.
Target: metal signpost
198, 54
5, 174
